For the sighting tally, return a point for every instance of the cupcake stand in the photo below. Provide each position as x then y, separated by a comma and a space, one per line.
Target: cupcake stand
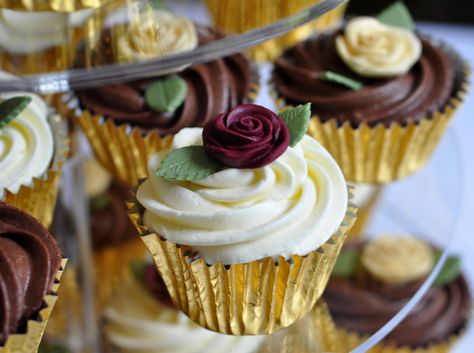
408, 206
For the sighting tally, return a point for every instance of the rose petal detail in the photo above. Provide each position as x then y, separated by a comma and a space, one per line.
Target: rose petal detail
249, 136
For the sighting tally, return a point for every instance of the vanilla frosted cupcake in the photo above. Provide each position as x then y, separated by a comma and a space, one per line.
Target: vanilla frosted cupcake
33, 42
32, 149
235, 194
139, 320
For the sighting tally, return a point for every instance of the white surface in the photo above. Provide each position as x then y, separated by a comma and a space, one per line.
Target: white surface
461, 37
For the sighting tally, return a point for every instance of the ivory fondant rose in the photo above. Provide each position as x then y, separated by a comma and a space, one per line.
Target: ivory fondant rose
155, 34
373, 49
398, 260
249, 136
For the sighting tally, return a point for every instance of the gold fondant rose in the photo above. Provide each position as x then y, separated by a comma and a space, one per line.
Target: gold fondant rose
398, 260
373, 49
154, 34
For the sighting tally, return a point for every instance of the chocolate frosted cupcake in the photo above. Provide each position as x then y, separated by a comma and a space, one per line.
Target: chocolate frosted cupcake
160, 106
381, 95
30, 260
372, 281
114, 238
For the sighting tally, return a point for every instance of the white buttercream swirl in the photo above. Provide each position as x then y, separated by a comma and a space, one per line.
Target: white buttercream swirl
26, 145
30, 32
373, 49
137, 322
291, 206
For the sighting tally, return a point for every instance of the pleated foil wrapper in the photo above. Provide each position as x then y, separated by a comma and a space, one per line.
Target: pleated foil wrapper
112, 267
237, 16
315, 333
52, 5
382, 154
39, 197
351, 340
122, 149
28, 342
255, 298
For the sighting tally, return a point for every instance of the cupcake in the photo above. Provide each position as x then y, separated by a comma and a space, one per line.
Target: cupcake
125, 123
381, 95
114, 238
231, 214
373, 280
31, 261
141, 319
33, 42
34, 147
244, 15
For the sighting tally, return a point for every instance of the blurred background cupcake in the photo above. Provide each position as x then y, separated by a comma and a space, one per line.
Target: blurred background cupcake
382, 95
35, 146
125, 123
240, 16
373, 280
142, 319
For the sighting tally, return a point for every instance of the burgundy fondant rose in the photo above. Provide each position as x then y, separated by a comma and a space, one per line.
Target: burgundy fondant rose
249, 136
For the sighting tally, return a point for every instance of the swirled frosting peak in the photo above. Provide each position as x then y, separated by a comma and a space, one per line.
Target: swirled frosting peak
26, 145
29, 260
291, 206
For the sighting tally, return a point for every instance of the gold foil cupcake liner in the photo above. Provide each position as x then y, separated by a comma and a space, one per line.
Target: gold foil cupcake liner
122, 149
68, 307
315, 333
243, 15
382, 154
350, 340
259, 297
28, 342
39, 198
112, 268
52, 5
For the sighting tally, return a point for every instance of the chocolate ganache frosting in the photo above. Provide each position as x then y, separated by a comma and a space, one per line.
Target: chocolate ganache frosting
29, 261
364, 304
212, 88
110, 225
424, 89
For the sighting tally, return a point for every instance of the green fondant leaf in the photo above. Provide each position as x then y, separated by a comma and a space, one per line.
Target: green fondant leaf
450, 270
188, 163
11, 108
297, 120
346, 263
341, 80
397, 15
167, 94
